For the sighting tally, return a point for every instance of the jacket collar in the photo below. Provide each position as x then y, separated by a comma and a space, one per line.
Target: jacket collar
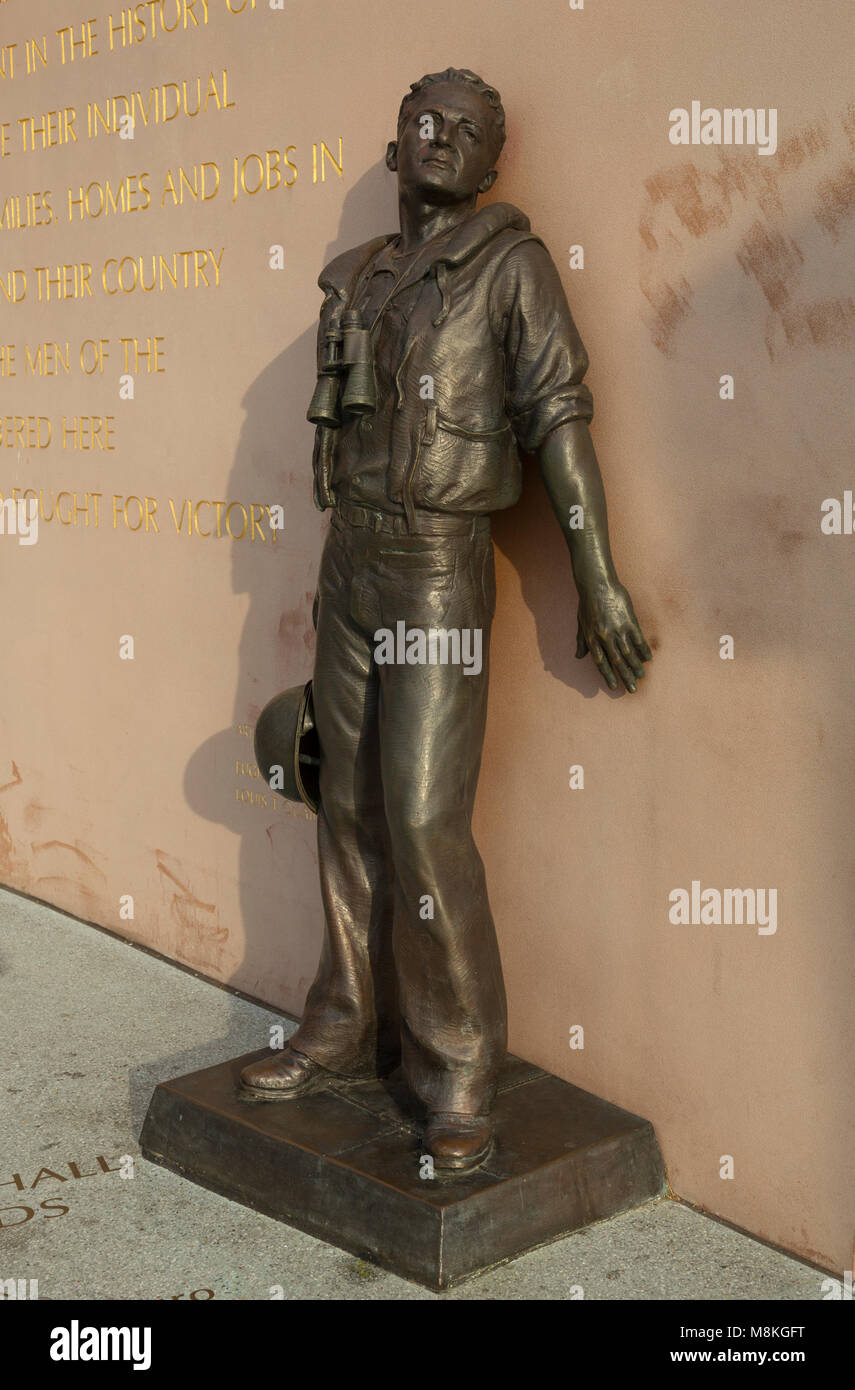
478, 229
466, 239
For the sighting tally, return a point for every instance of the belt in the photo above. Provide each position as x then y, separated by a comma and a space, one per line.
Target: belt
427, 524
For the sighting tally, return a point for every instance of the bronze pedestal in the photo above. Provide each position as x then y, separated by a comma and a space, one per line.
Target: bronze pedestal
345, 1166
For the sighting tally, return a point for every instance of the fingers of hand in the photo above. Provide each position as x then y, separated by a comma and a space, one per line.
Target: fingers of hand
618, 663
640, 644
602, 663
628, 652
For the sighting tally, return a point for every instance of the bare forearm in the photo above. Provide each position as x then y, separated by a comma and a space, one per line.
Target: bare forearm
571, 474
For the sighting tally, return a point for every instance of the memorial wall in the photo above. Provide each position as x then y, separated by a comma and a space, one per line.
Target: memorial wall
670, 872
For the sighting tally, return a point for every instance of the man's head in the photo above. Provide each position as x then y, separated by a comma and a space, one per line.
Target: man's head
451, 129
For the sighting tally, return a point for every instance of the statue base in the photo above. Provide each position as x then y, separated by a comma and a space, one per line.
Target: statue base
344, 1165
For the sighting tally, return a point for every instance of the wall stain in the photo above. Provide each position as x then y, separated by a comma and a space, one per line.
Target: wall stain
773, 259
698, 199
292, 628
835, 197
33, 813
826, 323
12, 868
8, 858
203, 938
16, 779
811, 141
686, 203
670, 307
65, 881
74, 849
790, 540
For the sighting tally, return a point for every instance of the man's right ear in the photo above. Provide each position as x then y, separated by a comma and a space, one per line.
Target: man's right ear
392, 155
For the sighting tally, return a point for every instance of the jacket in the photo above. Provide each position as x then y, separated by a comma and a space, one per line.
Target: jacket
492, 331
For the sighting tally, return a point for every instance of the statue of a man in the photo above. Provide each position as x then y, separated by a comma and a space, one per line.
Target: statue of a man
441, 350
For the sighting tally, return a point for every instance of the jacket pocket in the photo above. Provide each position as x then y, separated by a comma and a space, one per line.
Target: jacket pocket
465, 470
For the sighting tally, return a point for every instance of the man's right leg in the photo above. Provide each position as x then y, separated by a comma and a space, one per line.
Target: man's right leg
350, 1025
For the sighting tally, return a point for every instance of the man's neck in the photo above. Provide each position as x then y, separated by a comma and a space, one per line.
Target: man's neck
421, 222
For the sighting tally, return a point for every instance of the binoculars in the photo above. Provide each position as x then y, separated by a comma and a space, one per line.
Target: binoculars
346, 377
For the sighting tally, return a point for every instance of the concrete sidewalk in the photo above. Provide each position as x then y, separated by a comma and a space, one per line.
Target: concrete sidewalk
90, 1025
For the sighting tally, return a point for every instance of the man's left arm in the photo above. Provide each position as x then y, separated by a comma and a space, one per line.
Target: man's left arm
608, 627
549, 407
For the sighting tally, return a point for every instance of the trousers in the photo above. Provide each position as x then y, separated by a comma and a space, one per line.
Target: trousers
410, 968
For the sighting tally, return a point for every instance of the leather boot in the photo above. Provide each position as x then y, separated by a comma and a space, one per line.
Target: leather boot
458, 1143
286, 1076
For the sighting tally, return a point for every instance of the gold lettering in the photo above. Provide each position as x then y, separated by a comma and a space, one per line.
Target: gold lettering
228, 521
199, 531
179, 521
125, 513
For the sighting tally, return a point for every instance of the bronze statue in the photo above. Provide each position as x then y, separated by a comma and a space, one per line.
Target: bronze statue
441, 350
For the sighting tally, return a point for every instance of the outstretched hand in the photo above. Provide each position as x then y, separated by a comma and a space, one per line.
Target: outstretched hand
609, 630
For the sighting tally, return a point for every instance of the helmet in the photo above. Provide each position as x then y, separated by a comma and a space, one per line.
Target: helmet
287, 748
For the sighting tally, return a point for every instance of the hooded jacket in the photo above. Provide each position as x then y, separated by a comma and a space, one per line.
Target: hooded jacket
492, 335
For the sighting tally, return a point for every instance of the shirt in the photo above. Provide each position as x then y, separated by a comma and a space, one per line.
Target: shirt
365, 441
483, 319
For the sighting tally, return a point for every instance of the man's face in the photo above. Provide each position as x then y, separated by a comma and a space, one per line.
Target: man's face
446, 148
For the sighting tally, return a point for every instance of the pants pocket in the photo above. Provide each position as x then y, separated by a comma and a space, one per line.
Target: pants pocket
418, 570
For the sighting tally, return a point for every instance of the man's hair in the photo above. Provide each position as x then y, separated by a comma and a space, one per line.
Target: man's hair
464, 78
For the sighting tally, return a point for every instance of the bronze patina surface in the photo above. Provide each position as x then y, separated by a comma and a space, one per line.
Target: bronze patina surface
443, 351
407, 1134
348, 1166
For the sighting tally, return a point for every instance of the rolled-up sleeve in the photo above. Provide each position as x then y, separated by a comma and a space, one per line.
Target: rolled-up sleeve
544, 355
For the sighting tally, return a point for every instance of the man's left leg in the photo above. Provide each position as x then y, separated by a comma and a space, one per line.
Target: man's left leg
432, 718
